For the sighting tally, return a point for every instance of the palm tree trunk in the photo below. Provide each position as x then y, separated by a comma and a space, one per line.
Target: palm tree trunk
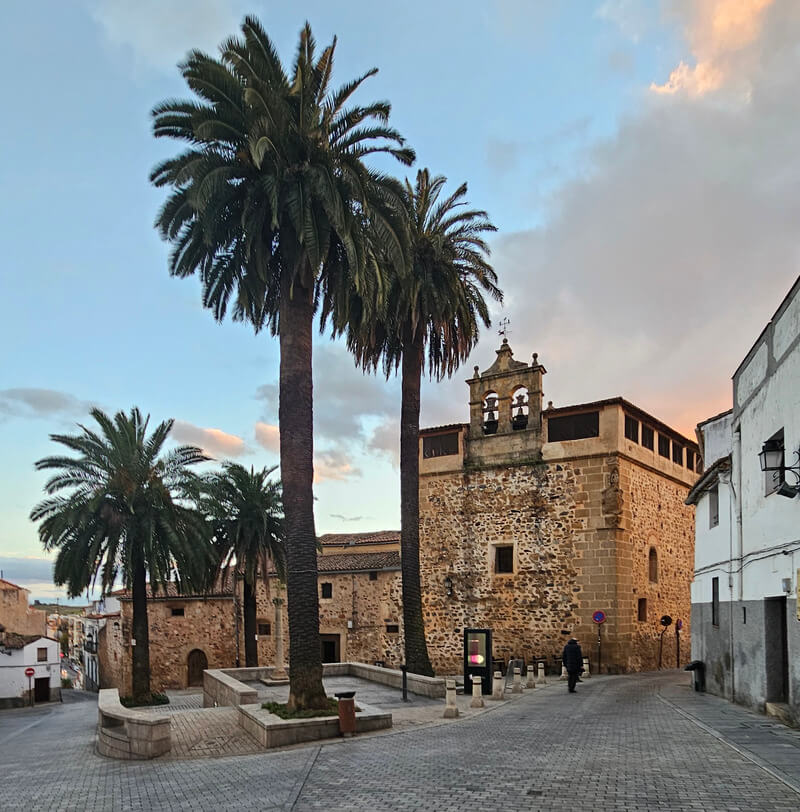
417, 659
140, 675
250, 643
296, 419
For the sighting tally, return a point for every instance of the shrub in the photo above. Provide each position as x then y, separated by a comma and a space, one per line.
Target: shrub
280, 709
66, 682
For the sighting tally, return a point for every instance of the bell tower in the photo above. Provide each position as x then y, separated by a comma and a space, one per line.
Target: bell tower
505, 410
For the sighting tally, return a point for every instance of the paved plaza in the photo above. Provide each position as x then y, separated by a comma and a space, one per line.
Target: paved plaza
638, 742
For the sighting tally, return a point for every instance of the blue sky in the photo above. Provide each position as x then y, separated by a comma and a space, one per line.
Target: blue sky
635, 213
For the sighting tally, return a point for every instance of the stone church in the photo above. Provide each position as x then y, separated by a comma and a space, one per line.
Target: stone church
532, 520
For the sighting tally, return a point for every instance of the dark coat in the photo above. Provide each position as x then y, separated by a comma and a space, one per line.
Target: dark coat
572, 656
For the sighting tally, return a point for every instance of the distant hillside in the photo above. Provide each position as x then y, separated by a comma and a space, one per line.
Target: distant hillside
60, 608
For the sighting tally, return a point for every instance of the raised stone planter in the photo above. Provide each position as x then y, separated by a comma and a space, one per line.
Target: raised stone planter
432, 687
272, 731
222, 688
129, 734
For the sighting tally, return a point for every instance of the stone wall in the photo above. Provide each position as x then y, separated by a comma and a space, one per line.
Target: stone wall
657, 518
210, 626
462, 516
581, 529
15, 613
370, 605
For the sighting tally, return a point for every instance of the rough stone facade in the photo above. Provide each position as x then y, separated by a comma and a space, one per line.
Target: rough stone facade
579, 514
360, 621
15, 613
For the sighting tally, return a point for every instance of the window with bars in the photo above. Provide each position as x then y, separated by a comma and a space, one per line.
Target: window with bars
663, 446
631, 428
647, 437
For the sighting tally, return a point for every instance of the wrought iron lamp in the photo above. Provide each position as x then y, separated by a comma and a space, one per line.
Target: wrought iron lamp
772, 459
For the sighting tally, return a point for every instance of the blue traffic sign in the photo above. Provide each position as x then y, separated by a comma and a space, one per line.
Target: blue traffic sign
599, 617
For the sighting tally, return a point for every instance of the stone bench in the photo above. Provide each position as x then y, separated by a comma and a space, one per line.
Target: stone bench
432, 687
129, 734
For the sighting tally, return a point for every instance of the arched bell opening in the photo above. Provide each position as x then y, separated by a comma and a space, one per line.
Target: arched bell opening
519, 408
490, 413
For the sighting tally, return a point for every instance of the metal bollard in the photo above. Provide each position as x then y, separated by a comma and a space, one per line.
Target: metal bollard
451, 709
477, 696
516, 688
541, 680
497, 686
530, 682
404, 669
585, 674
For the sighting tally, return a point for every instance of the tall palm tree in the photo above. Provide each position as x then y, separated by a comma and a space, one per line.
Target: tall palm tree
124, 510
430, 315
244, 507
269, 206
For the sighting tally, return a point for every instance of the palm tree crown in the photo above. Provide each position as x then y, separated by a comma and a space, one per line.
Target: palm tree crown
245, 509
121, 509
271, 205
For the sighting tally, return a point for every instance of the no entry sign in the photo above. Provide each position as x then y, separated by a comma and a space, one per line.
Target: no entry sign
29, 672
599, 617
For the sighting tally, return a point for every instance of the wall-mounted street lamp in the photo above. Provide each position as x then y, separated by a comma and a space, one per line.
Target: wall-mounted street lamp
772, 459
448, 586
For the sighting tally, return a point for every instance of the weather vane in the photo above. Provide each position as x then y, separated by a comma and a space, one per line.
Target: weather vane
504, 331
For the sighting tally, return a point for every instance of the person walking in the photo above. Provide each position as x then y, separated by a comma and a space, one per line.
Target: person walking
572, 657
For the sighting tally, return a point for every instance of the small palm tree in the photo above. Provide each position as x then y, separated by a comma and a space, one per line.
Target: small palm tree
429, 315
126, 513
244, 507
269, 206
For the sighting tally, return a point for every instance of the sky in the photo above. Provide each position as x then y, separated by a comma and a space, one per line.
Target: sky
638, 157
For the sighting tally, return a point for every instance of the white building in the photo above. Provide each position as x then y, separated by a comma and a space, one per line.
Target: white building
745, 621
94, 620
18, 653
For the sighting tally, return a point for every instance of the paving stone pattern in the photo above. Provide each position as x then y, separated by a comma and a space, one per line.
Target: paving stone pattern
614, 745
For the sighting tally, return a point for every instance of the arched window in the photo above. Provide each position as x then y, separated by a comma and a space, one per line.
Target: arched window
490, 413
519, 408
652, 561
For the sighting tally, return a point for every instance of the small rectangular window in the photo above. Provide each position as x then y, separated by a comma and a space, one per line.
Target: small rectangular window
264, 629
642, 610
713, 506
440, 445
715, 601
632, 429
647, 437
373, 576
392, 628
677, 453
41, 655
504, 559
327, 591
663, 446
690, 459
744, 615
177, 611
573, 427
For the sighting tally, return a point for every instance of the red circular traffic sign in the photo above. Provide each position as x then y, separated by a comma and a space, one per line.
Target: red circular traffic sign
599, 617
29, 672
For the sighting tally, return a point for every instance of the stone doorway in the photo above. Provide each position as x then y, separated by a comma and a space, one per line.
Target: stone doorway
197, 663
330, 648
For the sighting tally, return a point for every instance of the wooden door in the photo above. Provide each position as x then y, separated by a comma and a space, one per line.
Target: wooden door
197, 663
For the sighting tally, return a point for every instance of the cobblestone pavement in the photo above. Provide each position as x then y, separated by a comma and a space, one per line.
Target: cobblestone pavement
628, 743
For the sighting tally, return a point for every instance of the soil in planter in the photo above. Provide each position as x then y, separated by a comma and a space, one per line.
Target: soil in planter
280, 709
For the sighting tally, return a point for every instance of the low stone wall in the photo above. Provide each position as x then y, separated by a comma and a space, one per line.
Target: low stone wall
432, 687
129, 734
272, 731
222, 687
